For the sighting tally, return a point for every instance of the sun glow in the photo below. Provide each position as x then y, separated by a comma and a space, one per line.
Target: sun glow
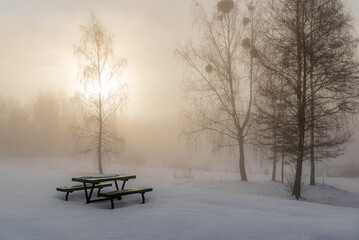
106, 87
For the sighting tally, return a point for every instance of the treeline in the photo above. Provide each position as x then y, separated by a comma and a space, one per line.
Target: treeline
46, 126
310, 88
39, 128
52, 125
282, 75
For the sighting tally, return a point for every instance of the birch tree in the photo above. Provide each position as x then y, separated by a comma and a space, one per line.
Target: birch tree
102, 90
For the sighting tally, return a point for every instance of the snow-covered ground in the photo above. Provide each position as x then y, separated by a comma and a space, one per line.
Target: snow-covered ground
209, 205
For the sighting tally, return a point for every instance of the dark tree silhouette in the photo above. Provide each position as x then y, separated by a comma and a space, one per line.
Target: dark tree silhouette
320, 73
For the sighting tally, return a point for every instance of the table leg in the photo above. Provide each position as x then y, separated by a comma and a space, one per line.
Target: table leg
143, 198
119, 198
67, 196
93, 186
123, 184
86, 194
112, 204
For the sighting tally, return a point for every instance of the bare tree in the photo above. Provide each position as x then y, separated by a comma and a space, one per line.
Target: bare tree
333, 79
219, 88
103, 91
320, 74
269, 116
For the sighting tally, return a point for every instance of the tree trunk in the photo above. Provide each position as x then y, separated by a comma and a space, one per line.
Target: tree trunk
312, 119
300, 154
312, 170
282, 170
301, 95
274, 171
298, 176
241, 162
99, 146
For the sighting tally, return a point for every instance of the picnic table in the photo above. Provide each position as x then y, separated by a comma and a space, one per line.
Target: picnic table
90, 183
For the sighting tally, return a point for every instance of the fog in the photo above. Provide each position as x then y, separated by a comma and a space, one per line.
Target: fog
38, 41
39, 78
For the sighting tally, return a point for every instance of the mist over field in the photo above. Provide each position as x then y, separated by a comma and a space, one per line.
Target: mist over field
39, 81
226, 119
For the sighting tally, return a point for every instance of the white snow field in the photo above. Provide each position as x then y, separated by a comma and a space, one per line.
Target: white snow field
209, 206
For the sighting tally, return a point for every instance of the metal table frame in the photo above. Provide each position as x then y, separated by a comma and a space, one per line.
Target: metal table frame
92, 181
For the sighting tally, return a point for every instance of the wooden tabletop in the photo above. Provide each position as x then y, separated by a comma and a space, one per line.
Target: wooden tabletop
98, 179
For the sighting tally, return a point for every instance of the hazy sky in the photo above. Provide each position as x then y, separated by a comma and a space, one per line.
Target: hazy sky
37, 38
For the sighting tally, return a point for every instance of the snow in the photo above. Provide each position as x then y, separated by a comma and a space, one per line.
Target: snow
208, 206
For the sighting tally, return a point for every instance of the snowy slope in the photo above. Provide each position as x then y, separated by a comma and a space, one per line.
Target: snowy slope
30, 208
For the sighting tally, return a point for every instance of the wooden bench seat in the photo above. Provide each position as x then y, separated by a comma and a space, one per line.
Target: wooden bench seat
120, 193
70, 189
